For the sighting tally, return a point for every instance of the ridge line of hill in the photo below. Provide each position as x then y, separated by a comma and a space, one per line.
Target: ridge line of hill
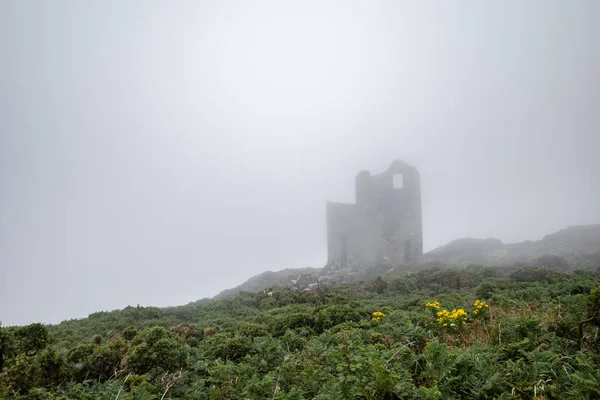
575, 247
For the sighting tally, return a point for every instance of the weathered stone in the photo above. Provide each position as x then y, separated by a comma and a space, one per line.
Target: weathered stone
383, 227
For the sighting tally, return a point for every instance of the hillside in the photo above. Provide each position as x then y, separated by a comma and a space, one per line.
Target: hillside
573, 244
267, 279
437, 334
579, 246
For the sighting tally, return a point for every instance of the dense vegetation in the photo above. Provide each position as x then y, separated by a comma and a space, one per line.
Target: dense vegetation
439, 333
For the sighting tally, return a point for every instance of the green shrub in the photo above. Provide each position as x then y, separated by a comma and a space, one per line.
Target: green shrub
226, 347
32, 338
130, 333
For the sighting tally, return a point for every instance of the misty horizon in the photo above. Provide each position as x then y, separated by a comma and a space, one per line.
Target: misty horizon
157, 155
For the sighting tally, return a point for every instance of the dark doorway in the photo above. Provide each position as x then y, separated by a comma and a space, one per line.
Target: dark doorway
343, 251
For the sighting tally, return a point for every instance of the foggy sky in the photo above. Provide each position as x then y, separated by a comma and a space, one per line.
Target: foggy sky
156, 153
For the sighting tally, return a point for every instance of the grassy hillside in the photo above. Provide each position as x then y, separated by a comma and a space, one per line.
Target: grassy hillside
433, 334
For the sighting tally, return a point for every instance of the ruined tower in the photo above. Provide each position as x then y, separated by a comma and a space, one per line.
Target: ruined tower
384, 227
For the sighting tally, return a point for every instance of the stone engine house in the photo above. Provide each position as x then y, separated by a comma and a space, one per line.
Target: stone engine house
384, 227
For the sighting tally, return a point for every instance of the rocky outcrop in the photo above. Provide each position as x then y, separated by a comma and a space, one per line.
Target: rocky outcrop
296, 279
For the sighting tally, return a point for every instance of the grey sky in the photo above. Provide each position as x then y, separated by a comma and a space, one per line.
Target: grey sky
159, 152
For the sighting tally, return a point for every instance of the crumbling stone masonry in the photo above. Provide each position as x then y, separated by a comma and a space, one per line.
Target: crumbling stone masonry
384, 227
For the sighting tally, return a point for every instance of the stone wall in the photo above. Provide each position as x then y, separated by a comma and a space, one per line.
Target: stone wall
385, 224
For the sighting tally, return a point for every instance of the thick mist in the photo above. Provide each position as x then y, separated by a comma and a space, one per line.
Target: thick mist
156, 153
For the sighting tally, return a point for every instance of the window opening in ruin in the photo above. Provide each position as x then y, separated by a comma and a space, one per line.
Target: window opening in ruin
398, 181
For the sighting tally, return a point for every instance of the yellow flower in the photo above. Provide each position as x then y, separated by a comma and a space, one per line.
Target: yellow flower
433, 304
480, 304
452, 318
377, 316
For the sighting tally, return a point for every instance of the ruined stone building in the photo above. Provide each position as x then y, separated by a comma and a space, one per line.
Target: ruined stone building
384, 227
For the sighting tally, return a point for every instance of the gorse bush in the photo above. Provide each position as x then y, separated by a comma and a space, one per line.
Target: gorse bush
452, 318
377, 316
437, 334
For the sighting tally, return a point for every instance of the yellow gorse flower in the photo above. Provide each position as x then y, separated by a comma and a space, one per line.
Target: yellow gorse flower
377, 316
479, 305
452, 318
433, 304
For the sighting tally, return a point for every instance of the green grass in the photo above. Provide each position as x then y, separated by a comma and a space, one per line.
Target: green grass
325, 345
